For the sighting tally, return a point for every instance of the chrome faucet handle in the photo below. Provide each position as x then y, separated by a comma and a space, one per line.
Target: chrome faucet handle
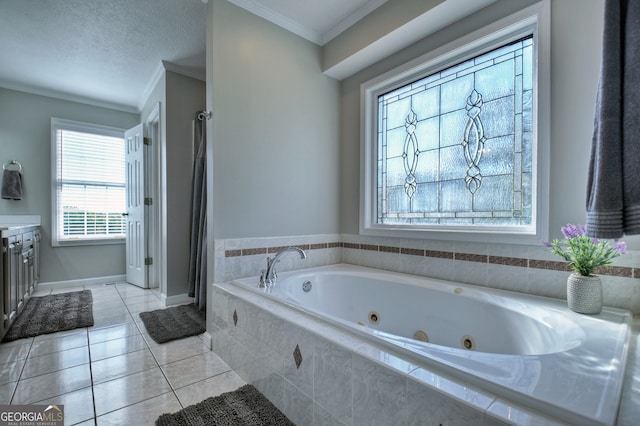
270, 274
265, 279
262, 283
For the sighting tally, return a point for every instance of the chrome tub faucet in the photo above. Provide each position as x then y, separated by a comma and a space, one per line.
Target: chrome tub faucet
269, 276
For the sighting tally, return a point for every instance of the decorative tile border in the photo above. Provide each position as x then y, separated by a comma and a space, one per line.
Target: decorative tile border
271, 250
617, 271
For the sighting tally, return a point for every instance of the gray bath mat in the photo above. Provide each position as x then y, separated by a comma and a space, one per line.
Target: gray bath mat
242, 407
176, 322
52, 313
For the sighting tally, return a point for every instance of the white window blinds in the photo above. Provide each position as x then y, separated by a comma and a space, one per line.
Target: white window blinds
89, 182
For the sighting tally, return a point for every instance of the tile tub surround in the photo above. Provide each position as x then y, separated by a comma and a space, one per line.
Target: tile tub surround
318, 374
527, 269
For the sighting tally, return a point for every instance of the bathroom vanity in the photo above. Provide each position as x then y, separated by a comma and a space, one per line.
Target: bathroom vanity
19, 269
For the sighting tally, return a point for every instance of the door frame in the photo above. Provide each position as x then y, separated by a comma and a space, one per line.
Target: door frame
154, 212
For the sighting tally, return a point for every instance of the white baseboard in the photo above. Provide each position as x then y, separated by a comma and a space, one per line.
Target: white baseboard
83, 282
175, 300
207, 339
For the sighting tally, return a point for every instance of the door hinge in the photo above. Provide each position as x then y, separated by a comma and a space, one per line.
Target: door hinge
148, 261
147, 141
148, 201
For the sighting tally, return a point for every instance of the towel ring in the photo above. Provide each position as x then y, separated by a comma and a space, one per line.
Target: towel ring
12, 163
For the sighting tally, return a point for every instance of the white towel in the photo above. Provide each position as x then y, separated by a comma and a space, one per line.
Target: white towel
11, 185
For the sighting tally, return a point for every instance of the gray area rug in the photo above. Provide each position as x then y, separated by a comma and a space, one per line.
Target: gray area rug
242, 407
52, 313
176, 322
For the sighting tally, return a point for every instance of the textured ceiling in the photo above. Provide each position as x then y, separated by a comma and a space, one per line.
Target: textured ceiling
107, 52
95, 49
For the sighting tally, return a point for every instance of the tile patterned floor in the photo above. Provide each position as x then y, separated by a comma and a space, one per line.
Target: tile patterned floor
112, 373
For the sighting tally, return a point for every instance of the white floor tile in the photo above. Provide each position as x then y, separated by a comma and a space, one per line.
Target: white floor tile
13, 351
39, 365
142, 413
178, 349
98, 335
6, 392
57, 344
197, 368
10, 371
214, 386
49, 385
119, 393
114, 364
78, 405
122, 365
116, 347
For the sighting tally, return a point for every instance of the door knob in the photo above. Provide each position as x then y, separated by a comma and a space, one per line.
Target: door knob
125, 214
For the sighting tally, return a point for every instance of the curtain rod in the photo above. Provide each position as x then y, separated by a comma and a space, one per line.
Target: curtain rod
202, 115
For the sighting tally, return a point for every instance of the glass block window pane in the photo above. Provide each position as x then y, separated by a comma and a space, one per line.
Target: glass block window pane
454, 147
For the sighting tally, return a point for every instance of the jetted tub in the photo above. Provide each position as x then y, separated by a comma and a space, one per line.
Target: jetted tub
527, 349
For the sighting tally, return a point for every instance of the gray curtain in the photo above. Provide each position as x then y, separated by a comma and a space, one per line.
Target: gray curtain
198, 251
613, 187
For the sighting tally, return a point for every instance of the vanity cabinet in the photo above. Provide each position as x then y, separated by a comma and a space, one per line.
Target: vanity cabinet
3, 310
19, 271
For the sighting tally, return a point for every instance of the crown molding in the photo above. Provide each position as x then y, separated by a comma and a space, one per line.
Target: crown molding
298, 29
155, 77
188, 72
159, 72
278, 19
67, 97
350, 20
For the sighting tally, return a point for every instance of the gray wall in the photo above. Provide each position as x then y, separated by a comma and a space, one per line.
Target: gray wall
179, 97
25, 135
275, 141
184, 96
576, 30
382, 21
285, 138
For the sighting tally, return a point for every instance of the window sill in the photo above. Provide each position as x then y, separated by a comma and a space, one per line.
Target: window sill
87, 242
475, 234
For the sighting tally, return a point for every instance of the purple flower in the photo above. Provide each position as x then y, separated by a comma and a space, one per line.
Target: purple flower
620, 247
572, 231
583, 253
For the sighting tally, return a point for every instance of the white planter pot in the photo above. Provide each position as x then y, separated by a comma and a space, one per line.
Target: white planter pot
584, 294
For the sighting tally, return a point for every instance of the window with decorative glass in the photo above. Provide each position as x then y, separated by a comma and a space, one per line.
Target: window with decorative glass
455, 147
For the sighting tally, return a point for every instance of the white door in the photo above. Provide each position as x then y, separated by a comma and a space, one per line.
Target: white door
136, 239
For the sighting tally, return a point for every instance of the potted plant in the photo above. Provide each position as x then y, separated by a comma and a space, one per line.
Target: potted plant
584, 255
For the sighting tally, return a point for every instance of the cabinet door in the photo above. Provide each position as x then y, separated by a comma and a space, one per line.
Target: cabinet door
13, 274
26, 282
36, 257
4, 321
24, 276
20, 267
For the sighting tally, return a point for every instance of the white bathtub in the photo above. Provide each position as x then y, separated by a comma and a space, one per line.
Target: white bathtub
530, 350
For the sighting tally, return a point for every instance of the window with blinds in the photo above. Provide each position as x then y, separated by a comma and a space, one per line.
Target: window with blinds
89, 183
